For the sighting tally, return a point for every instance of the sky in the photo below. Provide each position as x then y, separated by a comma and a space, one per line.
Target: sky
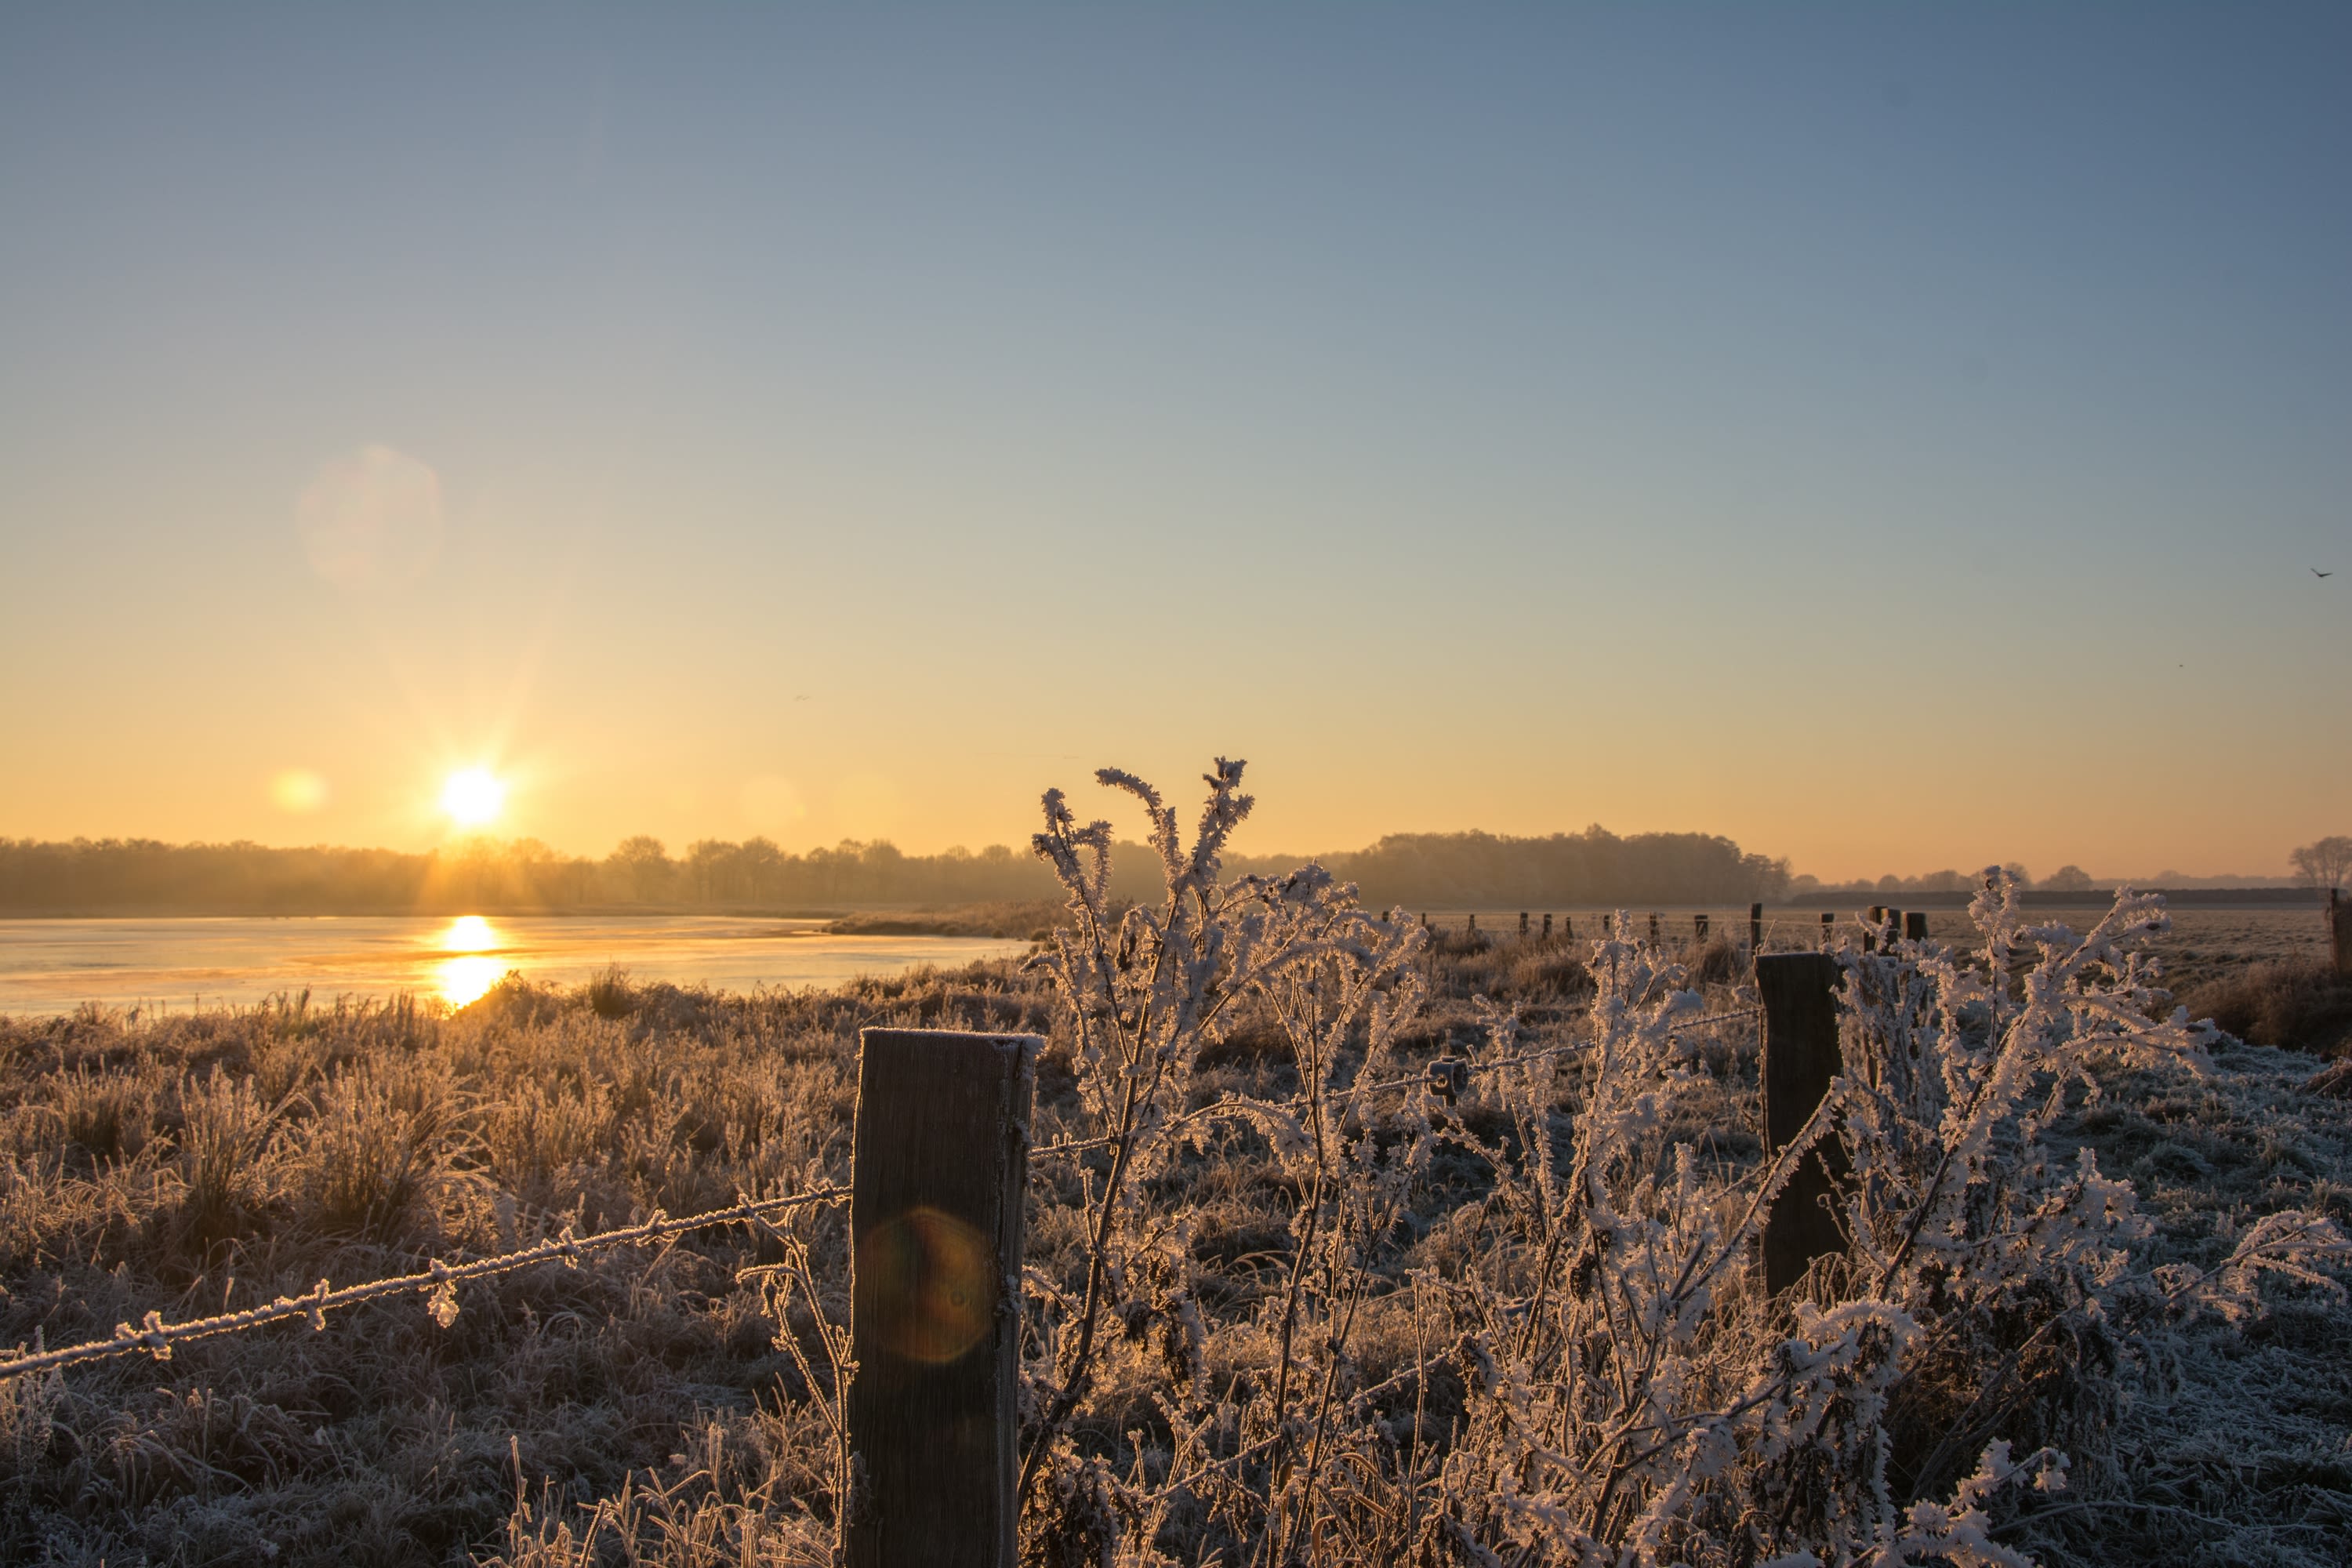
1894, 436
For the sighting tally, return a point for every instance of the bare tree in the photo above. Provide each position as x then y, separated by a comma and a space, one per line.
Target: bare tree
2325, 863
2068, 878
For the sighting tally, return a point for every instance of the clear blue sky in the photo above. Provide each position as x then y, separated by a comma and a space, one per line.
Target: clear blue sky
1897, 436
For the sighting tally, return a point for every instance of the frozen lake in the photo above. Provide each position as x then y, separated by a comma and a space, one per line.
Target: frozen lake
54, 966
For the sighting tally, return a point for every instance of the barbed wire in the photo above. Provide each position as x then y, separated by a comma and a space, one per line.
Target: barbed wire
1065, 1148
156, 1337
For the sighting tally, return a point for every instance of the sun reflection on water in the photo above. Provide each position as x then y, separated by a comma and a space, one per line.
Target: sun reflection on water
471, 933
465, 977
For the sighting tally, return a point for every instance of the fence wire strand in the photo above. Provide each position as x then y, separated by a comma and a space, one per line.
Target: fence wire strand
156, 1337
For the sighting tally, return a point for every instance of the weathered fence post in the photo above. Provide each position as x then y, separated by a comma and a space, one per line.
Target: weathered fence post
1915, 925
1523, 925
1800, 1056
1756, 928
1653, 927
2339, 930
1546, 935
1698, 924
1473, 925
941, 1166
1568, 927
1829, 927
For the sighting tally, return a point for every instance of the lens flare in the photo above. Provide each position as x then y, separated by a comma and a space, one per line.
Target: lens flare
297, 790
472, 796
925, 1284
371, 520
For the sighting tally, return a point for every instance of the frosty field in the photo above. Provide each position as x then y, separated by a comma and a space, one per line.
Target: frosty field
1312, 1319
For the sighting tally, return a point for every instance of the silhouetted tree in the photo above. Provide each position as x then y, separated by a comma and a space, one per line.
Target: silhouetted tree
2323, 864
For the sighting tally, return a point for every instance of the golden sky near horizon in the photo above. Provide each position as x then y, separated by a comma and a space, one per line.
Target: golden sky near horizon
1896, 441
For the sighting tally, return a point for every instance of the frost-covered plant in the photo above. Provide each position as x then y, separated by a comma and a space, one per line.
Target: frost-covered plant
2021, 1265
1610, 1383
1955, 1208
1141, 991
1954, 1064
1626, 1395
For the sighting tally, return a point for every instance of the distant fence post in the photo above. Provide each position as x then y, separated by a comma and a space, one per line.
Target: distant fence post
1523, 925
1829, 925
1698, 924
1546, 936
1756, 928
1653, 927
939, 1168
1473, 925
1915, 925
1800, 1056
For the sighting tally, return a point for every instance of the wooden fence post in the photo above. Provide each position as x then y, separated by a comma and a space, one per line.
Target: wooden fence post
1698, 924
1568, 927
1800, 1056
1546, 935
1523, 925
939, 1168
1829, 925
1756, 928
1473, 925
1653, 927
1915, 925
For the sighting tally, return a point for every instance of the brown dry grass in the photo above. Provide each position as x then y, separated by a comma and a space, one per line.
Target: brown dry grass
2299, 1003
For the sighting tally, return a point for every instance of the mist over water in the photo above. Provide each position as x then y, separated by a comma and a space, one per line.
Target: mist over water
55, 966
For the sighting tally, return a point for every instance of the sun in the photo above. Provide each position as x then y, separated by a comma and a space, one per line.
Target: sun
472, 796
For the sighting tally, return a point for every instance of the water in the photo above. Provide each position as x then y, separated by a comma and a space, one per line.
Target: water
54, 966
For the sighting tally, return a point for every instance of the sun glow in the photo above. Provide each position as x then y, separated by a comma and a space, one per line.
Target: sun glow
472, 796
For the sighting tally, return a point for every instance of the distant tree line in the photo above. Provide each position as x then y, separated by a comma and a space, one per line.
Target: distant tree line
1592, 868
1429, 870
2066, 879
